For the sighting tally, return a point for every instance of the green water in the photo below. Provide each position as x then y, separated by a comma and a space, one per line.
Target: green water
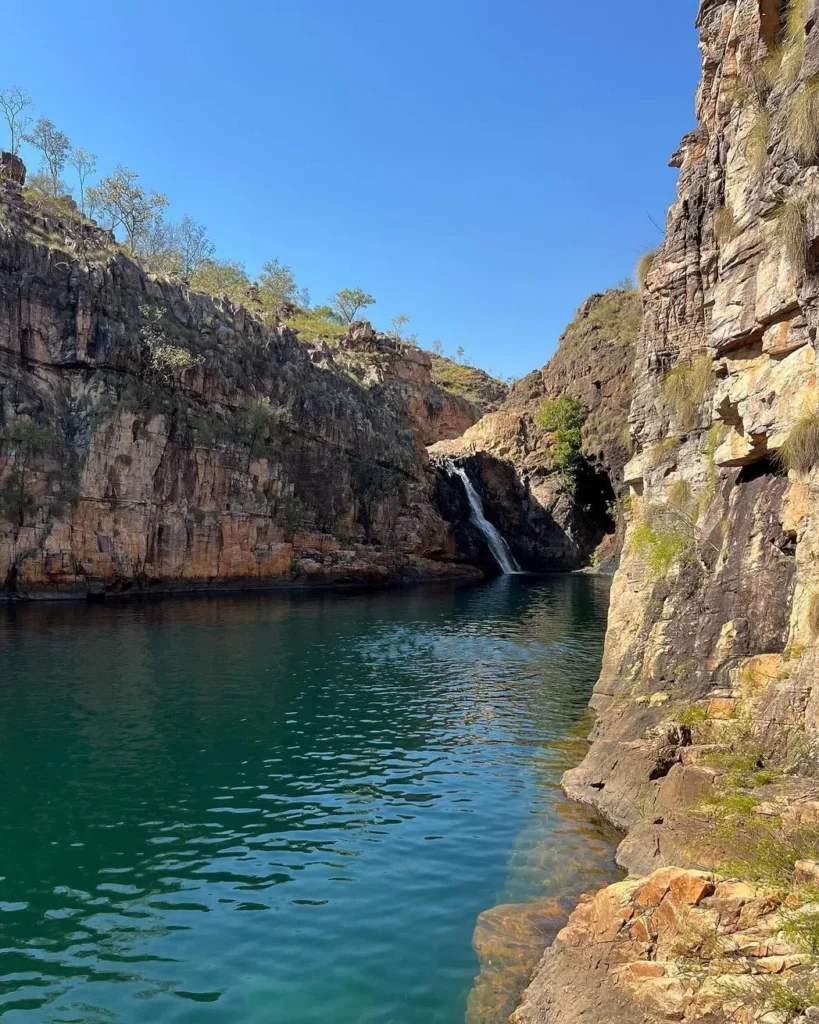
283, 809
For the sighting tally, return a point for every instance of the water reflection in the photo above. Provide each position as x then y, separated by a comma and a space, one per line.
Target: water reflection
268, 808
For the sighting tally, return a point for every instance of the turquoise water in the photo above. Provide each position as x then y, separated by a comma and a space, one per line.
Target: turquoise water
283, 809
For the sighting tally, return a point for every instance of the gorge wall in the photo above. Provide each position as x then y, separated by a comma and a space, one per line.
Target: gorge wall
156, 438
705, 747
551, 521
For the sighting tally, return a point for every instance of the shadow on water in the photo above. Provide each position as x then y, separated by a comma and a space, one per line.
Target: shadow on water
271, 808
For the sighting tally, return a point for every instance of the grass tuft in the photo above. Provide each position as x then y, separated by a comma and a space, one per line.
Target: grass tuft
800, 452
813, 615
802, 121
643, 269
686, 388
790, 222
725, 225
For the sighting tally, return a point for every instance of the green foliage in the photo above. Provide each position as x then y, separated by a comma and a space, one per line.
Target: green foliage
789, 999
164, 363
221, 278
278, 288
693, 714
54, 149
744, 768
643, 268
766, 853
349, 302
125, 204
686, 388
800, 452
319, 323
802, 120
259, 419
661, 547
563, 418
468, 382
28, 441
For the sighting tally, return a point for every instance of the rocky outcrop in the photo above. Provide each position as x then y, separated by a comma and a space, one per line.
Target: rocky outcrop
155, 438
552, 523
705, 743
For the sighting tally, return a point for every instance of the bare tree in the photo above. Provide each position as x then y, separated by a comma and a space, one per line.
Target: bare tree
55, 149
195, 248
121, 199
14, 102
438, 347
84, 164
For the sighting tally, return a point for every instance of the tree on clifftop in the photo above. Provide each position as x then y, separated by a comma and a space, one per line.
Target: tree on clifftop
126, 204
14, 102
349, 301
55, 149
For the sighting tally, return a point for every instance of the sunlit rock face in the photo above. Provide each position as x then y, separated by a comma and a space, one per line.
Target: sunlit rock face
259, 459
712, 647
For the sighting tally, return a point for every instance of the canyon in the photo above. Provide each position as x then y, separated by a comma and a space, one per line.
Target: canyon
268, 458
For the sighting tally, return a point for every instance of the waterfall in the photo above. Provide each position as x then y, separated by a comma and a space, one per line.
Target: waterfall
497, 545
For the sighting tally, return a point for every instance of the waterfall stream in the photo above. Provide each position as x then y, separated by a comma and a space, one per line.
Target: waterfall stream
497, 545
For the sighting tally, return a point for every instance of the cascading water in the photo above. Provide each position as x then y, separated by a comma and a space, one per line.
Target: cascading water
497, 545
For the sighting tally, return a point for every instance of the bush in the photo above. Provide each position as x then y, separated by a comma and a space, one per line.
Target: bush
802, 120
660, 547
800, 452
563, 418
686, 388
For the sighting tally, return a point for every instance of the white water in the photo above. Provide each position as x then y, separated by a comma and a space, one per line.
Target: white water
497, 545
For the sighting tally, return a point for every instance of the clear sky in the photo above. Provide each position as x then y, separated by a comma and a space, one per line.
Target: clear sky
480, 165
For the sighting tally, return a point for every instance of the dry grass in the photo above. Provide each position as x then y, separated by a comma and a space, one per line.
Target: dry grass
795, 25
679, 493
686, 388
790, 223
802, 121
758, 138
813, 615
725, 225
643, 268
800, 452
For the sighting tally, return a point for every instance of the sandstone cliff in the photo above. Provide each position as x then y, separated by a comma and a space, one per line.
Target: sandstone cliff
705, 743
550, 522
155, 438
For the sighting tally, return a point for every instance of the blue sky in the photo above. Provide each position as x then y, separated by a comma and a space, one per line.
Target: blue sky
478, 165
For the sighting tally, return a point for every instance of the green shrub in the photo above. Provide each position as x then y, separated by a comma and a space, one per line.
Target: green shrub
800, 452
660, 547
563, 418
686, 388
694, 714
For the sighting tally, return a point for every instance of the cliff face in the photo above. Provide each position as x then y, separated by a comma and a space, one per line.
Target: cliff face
155, 438
548, 523
705, 744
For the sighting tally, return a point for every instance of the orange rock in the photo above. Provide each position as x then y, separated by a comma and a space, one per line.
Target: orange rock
692, 887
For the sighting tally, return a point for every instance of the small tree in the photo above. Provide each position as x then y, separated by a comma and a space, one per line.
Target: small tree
259, 419
459, 353
563, 418
15, 102
55, 149
157, 246
349, 301
438, 347
84, 164
28, 441
277, 284
164, 363
126, 204
399, 323
221, 277
195, 248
